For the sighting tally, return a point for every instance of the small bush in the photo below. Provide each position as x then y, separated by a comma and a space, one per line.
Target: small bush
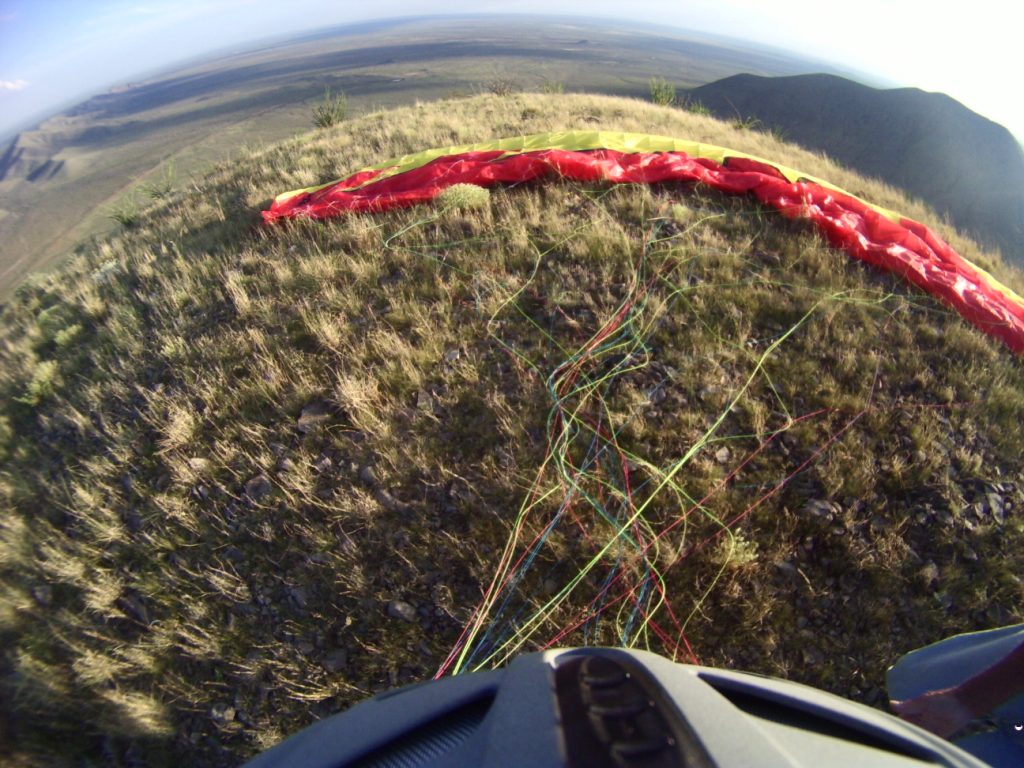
736, 552
42, 383
66, 336
746, 124
331, 111
663, 92
51, 322
162, 187
697, 108
502, 86
464, 196
126, 214
552, 86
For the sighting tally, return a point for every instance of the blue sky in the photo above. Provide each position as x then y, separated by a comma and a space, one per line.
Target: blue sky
54, 52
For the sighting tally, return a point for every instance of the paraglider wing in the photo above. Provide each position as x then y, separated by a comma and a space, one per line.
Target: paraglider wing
865, 231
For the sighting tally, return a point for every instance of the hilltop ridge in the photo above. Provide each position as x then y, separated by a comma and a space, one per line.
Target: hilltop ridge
960, 163
250, 475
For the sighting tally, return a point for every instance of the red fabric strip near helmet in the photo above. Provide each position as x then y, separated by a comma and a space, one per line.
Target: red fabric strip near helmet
906, 248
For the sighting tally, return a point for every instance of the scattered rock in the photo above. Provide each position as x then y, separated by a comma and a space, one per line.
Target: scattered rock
133, 520
425, 401
813, 657
706, 392
820, 508
929, 573
285, 464
452, 355
787, 568
387, 500
298, 596
222, 712
323, 464
657, 395
399, 609
314, 416
722, 455
198, 464
335, 661
258, 488
133, 606
43, 594
367, 475
996, 507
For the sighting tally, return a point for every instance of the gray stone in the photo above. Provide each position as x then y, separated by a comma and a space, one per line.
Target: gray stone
399, 609
314, 416
367, 475
258, 487
929, 573
298, 596
820, 508
425, 401
786, 567
335, 661
222, 712
198, 464
43, 594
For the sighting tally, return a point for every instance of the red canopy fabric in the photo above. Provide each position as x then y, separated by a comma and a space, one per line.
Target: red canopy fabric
905, 247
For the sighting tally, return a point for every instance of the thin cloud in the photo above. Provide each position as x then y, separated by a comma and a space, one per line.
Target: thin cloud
13, 85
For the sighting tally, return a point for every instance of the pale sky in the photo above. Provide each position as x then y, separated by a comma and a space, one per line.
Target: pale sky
56, 51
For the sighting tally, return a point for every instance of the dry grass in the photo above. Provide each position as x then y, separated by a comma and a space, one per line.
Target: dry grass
228, 449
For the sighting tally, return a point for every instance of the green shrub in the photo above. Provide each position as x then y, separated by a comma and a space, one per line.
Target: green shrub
746, 124
697, 108
66, 336
662, 92
159, 189
502, 86
331, 111
464, 196
125, 213
51, 321
42, 384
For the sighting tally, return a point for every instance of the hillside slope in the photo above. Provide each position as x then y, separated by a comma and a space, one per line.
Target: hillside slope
60, 181
251, 475
955, 160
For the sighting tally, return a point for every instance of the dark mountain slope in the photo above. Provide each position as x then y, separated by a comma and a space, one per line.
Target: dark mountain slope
926, 143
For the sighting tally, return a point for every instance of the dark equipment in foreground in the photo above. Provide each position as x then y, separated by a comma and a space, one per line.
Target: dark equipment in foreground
610, 708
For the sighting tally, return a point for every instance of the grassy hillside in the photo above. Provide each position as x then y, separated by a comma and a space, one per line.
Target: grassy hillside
252, 475
60, 181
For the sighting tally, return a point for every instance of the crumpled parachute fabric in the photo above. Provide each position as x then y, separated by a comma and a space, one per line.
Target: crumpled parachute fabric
865, 231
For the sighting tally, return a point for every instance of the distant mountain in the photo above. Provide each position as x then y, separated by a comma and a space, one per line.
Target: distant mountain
925, 143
